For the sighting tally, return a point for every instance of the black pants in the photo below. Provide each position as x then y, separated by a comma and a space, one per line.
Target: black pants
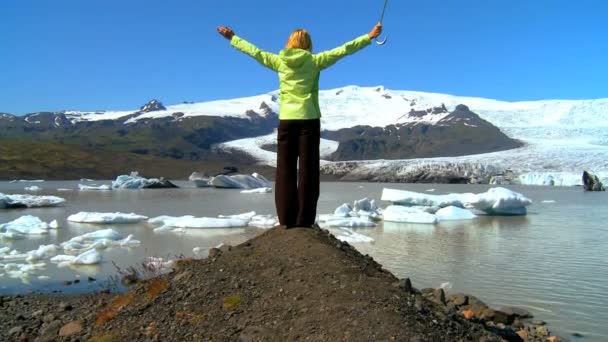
296, 195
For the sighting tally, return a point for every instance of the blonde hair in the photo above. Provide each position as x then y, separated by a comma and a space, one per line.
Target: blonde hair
299, 39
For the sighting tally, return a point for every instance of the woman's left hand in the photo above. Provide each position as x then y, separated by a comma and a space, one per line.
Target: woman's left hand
226, 32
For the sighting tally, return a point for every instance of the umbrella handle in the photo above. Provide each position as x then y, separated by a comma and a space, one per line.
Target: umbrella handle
381, 42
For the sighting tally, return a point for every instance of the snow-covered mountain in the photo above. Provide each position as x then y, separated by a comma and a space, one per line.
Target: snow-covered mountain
563, 137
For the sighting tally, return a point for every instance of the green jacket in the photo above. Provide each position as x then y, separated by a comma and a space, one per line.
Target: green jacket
299, 72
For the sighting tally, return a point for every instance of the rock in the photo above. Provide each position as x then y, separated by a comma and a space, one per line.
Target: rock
16, 330
468, 314
67, 282
213, 252
37, 313
225, 248
523, 334
474, 301
181, 276
575, 334
91, 279
72, 328
65, 306
161, 184
538, 322
49, 332
516, 312
553, 339
458, 299
502, 317
591, 182
48, 318
542, 331
439, 296
406, 285
152, 106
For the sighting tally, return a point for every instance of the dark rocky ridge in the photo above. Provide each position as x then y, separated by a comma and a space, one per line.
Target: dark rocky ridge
461, 132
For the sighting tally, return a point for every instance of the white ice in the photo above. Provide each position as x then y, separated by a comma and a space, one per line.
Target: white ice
104, 187
257, 191
548, 201
253, 181
64, 189
398, 213
89, 257
159, 264
454, 213
25, 225
104, 234
350, 236
106, 218
496, 201
30, 201
33, 188
54, 224
43, 252
351, 222
133, 181
189, 221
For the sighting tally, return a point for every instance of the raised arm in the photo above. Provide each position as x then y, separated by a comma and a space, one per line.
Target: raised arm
267, 59
328, 58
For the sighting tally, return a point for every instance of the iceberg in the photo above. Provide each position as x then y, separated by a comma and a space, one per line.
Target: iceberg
104, 234
257, 191
398, 213
103, 187
351, 222
350, 236
253, 181
496, 201
106, 218
244, 216
25, 225
135, 181
89, 257
454, 213
29, 201
43, 252
33, 188
188, 221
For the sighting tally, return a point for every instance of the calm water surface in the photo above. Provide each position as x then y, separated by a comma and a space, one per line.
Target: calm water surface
551, 262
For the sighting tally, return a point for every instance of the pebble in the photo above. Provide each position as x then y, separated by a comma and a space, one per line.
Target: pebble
70, 329
48, 318
16, 330
65, 306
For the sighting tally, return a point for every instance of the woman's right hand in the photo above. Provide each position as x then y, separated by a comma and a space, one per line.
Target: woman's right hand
376, 31
226, 32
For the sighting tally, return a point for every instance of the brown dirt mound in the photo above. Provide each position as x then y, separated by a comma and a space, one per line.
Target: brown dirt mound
284, 285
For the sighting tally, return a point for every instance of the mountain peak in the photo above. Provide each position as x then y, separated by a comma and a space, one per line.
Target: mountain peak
152, 106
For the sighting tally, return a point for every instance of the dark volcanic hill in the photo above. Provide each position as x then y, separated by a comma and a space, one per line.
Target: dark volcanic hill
461, 132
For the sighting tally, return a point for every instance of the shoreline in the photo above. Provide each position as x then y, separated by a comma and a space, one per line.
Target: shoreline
274, 286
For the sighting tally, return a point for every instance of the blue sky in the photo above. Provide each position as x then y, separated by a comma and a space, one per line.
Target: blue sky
91, 55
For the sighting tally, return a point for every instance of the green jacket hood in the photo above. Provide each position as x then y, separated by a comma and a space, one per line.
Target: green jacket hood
294, 58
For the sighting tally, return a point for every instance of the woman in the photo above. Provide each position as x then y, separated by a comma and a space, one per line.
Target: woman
299, 130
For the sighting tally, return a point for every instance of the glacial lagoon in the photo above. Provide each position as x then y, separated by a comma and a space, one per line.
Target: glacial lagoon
551, 262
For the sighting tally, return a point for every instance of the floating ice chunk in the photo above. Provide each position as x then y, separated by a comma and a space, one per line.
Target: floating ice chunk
365, 204
446, 285
430, 190
197, 250
105, 218
244, 216
404, 197
454, 213
11, 236
29, 201
189, 221
129, 241
240, 181
159, 264
135, 181
33, 188
496, 201
548, 201
31, 180
103, 187
43, 277
343, 210
64, 189
257, 191
54, 224
263, 221
398, 213
103, 234
43, 252
89, 257
86, 180
350, 236
499, 201
13, 255
350, 222
62, 258
25, 225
